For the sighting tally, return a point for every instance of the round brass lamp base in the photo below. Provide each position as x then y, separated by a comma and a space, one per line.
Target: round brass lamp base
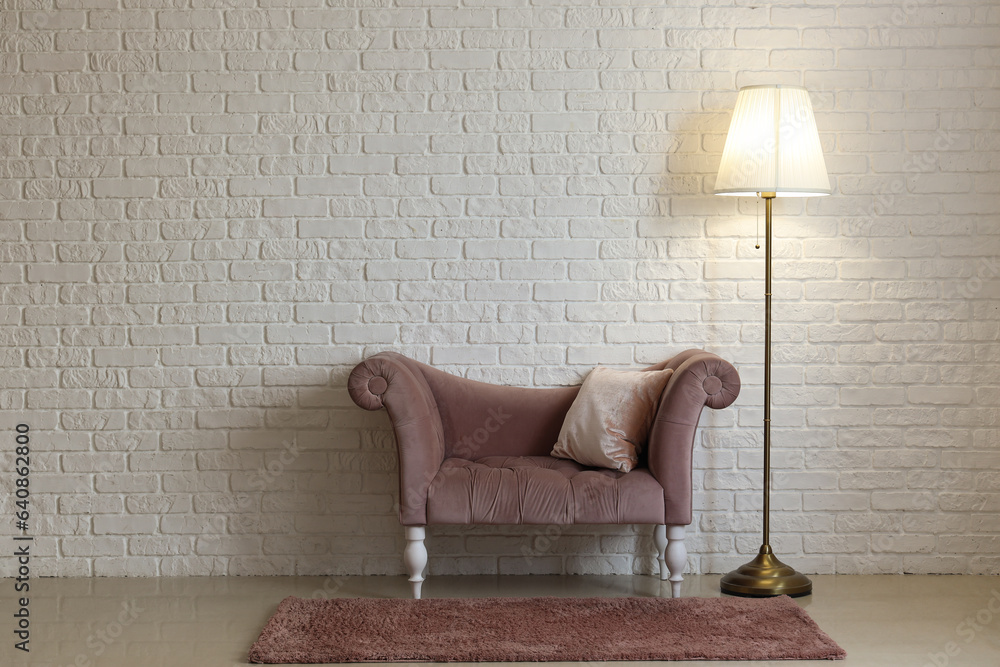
766, 576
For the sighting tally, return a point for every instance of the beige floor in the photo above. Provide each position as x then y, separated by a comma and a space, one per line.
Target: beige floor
897, 621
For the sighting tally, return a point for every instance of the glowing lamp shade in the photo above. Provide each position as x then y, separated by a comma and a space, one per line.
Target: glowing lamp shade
773, 146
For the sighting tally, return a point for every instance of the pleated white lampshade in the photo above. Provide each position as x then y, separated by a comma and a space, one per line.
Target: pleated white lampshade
773, 145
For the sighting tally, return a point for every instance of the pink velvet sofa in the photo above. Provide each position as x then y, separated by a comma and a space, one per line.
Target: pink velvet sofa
477, 453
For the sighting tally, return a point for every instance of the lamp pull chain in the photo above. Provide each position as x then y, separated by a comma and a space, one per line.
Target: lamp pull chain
758, 224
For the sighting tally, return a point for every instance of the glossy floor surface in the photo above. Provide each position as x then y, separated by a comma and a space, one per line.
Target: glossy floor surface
896, 621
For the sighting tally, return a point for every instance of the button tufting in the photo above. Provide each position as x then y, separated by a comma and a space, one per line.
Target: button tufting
377, 385
712, 385
541, 490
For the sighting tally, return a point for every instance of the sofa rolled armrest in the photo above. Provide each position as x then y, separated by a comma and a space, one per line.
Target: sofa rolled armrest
387, 380
700, 379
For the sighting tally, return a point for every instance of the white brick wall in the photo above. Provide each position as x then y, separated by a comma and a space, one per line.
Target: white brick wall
211, 212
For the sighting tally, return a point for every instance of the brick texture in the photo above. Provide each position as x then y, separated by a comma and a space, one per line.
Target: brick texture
209, 212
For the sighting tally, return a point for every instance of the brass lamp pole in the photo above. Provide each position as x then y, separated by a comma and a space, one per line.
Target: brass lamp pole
772, 150
765, 575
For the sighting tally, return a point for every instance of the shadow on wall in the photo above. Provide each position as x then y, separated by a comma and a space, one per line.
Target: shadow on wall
315, 492
308, 492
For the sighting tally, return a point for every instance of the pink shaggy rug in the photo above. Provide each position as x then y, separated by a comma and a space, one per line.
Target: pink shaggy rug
540, 629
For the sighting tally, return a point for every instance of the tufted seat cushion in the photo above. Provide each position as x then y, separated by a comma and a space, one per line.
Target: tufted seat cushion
540, 490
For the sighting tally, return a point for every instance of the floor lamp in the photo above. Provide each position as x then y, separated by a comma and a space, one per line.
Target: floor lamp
772, 150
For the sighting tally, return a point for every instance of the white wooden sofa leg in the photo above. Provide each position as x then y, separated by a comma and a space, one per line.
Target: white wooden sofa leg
660, 539
675, 558
415, 557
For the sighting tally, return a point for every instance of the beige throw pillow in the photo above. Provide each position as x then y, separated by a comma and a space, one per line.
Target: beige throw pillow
609, 421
